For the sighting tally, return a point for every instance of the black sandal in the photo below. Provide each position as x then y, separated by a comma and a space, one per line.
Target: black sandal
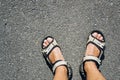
46, 52
98, 60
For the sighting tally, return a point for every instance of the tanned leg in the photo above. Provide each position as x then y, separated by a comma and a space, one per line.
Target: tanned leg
56, 54
90, 67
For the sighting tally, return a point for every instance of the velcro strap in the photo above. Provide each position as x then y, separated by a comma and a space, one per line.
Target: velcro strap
92, 58
50, 47
97, 42
59, 63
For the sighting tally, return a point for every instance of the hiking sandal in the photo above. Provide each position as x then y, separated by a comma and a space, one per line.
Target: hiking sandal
46, 52
100, 45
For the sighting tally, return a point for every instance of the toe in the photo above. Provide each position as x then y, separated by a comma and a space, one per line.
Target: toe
45, 44
98, 36
95, 34
49, 40
101, 38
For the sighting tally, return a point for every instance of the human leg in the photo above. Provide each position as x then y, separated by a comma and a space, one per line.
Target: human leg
56, 58
90, 65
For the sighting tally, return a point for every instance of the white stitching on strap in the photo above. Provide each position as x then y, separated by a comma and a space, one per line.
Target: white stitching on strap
97, 42
59, 64
92, 58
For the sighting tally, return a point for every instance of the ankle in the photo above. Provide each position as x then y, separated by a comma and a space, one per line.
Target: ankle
61, 69
90, 65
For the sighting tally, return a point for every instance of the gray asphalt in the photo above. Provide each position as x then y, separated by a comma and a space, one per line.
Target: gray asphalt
24, 23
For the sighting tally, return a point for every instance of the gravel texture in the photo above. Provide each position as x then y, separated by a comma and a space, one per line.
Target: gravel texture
24, 23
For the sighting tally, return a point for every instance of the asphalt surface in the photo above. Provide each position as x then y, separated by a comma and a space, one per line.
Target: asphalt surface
24, 23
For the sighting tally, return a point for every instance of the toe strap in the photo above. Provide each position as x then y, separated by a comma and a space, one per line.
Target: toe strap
92, 58
99, 43
59, 63
50, 47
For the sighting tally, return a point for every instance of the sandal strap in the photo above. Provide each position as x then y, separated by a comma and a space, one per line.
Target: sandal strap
98, 60
92, 58
59, 63
48, 49
63, 63
99, 43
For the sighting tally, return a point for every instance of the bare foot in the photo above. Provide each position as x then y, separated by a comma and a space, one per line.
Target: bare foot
55, 54
92, 50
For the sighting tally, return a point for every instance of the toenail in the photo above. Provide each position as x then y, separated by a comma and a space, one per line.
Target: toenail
101, 38
99, 35
94, 34
49, 39
44, 44
45, 41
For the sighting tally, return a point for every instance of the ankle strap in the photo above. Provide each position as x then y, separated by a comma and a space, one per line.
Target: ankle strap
58, 63
92, 58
